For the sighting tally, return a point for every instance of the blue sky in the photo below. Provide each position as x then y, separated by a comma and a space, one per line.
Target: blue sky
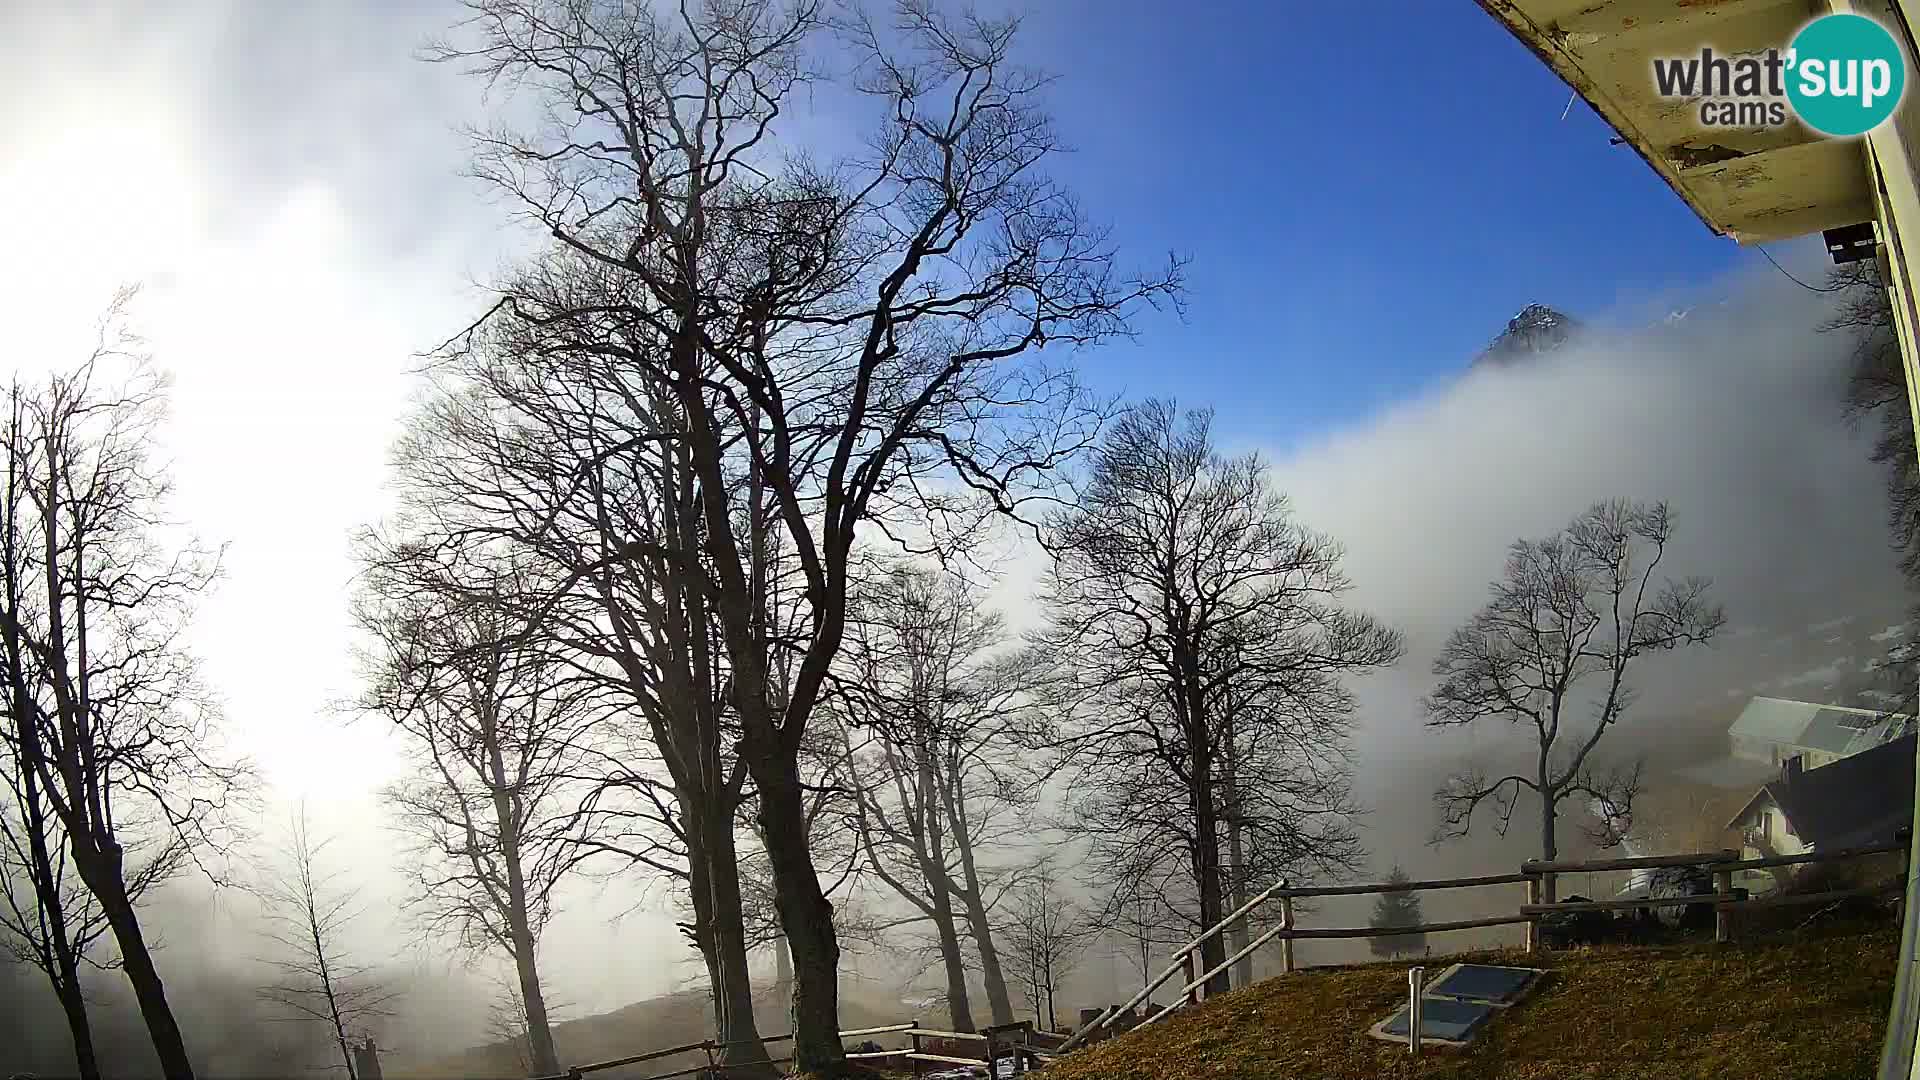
1368, 191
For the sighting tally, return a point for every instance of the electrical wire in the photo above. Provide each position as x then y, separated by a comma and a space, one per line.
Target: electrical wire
1790, 277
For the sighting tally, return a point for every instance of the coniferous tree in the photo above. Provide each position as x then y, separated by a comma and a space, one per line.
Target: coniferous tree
1397, 909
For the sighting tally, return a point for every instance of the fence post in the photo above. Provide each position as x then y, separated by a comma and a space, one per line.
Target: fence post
1723, 910
1533, 924
914, 1035
1286, 938
1186, 976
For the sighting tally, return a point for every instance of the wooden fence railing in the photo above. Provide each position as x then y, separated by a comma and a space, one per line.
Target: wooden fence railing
1539, 879
1006, 1042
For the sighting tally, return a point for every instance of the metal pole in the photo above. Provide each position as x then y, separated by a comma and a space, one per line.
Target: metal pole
1415, 983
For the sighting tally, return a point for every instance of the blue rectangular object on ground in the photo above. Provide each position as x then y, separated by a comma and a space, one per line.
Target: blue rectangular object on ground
1442, 1018
1485, 982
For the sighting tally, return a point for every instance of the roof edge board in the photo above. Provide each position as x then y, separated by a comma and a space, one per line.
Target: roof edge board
1616, 22
1564, 64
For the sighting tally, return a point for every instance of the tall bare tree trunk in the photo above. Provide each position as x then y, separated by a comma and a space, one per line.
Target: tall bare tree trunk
74, 1005
546, 1062
1206, 874
1237, 934
714, 880
96, 854
66, 974
806, 915
934, 872
782, 967
978, 924
1549, 840
101, 871
1206, 824
60, 942
959, 1008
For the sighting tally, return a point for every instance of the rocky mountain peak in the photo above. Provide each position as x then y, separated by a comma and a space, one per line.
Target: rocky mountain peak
1536, 329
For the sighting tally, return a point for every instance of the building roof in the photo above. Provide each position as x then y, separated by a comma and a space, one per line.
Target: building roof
1863, 799
1753, 184
1773, 719
1834, 729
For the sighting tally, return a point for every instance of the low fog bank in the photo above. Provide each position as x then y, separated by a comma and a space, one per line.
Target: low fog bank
1732, 412
210, 953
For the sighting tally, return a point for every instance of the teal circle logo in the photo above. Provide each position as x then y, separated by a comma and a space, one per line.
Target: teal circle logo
1845, 74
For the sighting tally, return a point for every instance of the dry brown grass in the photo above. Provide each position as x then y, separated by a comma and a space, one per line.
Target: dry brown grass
1812, 1009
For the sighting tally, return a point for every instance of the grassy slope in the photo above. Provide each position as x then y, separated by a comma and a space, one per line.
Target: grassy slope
1809, 1010
656, 1023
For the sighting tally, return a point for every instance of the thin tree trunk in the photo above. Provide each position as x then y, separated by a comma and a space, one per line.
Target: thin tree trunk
934, 870
1237, 934
325, 970
546, 1062
959, 1008
31, 759
1053, 1018
1549, 844
101, 872
782, 968
703, 787
805, 914
1206, 869
1206, 842
66, 974
978, 925
75, 1006
714, 881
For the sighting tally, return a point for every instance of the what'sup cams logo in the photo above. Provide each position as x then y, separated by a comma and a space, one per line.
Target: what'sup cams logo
1842, 75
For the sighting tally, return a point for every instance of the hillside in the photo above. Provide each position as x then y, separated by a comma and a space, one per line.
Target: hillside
655, 1023
1814, 1009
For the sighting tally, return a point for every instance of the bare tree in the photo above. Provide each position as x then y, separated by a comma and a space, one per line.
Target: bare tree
1552, 646
1203, 626
308, 916
108, 725
1045, 933
1136, 920
1876, 398
841, 333
560, 458
49, 920
941, 699
495, 728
